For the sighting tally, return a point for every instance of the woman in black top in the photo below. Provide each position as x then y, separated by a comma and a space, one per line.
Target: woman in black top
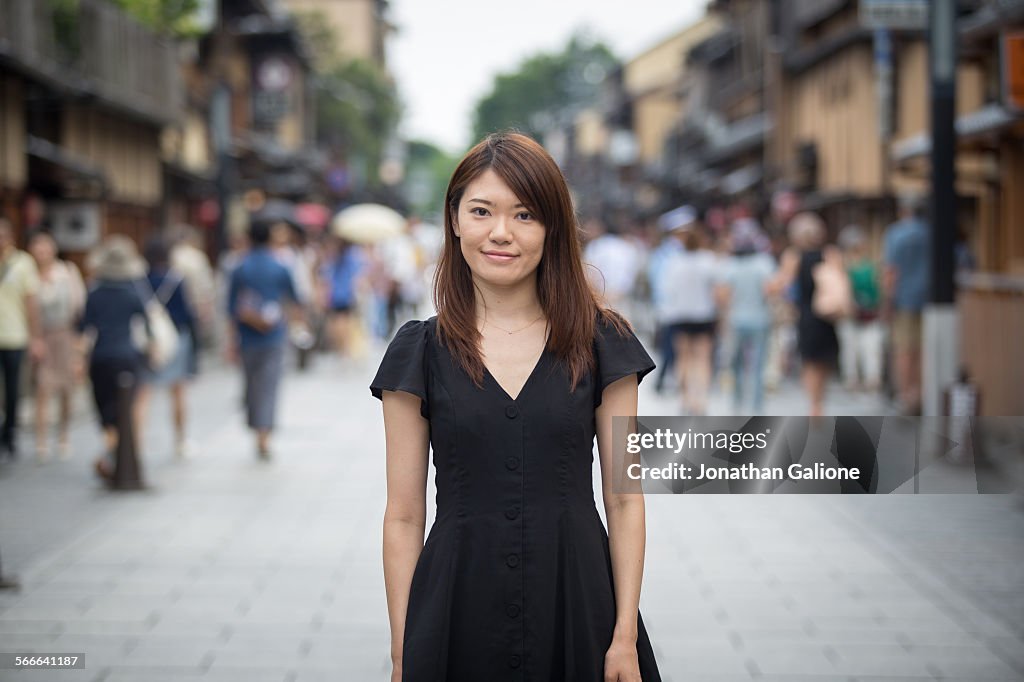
509, 385
110, 308
817, 342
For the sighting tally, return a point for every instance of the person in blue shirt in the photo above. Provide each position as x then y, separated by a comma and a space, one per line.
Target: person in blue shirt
906, 286
170, 289
111, 307
261, 296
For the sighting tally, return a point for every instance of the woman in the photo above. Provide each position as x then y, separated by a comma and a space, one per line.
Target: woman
691, 317
341, 274
170, 289
817, 343
111, 307
509, 384
862, 337
749, 317
61, 297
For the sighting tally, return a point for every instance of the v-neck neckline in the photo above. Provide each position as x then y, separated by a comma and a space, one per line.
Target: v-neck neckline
526, 384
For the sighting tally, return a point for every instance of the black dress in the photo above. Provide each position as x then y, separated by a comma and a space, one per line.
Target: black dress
816, 337
514, 581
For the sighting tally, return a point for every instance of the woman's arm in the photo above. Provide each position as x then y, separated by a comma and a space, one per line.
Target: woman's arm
789, 264
626, 529
408, 442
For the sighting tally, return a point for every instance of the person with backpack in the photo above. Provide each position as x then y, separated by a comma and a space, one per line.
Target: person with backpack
170, 289
862, 335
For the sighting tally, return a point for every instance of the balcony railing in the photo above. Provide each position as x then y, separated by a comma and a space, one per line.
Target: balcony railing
93, 50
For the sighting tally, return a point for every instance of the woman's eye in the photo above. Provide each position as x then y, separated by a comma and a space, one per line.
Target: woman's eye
524, 215
478, 210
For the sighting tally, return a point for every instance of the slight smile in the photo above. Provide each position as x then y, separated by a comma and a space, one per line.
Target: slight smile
500, 256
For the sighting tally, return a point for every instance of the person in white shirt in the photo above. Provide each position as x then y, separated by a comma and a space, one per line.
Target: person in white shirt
691, 313
615, 262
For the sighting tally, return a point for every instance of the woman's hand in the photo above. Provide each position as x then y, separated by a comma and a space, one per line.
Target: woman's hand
621, 663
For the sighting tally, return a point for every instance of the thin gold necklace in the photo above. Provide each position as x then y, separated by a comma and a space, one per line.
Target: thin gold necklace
514, 331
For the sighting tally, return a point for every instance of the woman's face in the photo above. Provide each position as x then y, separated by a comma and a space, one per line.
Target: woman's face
501, 240
43, 250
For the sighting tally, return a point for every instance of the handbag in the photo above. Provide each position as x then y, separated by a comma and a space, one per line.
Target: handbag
833, 295
162, 343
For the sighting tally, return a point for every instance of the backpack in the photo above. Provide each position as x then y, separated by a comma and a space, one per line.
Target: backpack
833, 296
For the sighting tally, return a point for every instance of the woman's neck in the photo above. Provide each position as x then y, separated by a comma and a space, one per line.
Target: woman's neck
512, 304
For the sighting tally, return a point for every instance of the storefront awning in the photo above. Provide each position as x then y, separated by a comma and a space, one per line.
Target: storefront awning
989, 119
75, 166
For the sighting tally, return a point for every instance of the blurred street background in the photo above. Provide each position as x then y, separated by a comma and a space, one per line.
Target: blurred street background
726, 149
232, 569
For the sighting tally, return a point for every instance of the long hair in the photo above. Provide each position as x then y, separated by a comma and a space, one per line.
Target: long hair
569, 303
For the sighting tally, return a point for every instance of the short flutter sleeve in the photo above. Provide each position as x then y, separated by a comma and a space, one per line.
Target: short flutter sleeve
617, 355
404, 367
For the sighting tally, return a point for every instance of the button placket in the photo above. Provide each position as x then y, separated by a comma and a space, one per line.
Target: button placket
513, 515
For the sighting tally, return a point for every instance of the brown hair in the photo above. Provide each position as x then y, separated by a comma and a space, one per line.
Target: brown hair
570, 305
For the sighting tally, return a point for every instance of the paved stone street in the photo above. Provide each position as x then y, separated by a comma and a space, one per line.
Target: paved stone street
229, 569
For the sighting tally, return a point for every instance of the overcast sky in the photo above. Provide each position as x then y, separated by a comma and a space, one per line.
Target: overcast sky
446, 53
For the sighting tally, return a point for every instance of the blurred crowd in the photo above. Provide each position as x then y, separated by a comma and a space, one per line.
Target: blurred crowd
135, 319
730, 308
737, 309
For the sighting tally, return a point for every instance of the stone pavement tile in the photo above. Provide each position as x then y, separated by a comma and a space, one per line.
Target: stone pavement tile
123, 607
70, 587
202, 607
698, 667
367, 671
1009, 649
153, 674
976, 661
106, 627
788, 658
21, 641
9, 626
167, 623
247, 672
183, 652
90, 674
46, 607
274, 650
858, 660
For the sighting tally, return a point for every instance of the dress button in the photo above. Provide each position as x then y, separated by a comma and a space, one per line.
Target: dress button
512, 463
511, 513
512, 560
511, 412
512, 610
514, 661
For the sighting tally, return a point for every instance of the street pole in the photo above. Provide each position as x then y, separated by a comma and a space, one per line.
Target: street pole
940, 344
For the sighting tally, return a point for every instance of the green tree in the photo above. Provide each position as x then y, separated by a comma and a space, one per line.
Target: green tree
173, 17
544, 85
428, 169
357, 106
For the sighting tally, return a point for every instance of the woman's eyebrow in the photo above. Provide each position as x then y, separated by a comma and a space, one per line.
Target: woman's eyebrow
491, 203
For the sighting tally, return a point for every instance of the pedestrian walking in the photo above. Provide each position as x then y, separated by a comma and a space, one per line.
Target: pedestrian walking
190, 261
691, 313
861, 337
817, 342
170, 289
260, 296
20, 330
341, 274
509, 384
112, 307
661, 294
906, 284
748, 316
61, 300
